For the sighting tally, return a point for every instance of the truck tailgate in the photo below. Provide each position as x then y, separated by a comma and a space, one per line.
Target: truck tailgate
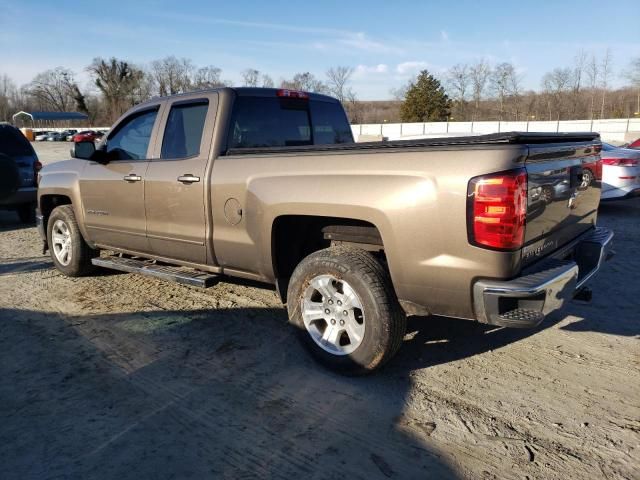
562, 200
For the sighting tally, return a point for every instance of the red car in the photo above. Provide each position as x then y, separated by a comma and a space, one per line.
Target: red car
87, 136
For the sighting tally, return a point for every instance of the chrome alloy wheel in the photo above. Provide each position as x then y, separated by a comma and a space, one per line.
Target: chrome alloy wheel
333, 315
61, 240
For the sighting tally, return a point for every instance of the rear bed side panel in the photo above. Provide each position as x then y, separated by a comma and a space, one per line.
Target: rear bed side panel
415, 197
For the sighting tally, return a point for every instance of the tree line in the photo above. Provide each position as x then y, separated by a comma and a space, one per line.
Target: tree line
480, 91
116, 85
465, 92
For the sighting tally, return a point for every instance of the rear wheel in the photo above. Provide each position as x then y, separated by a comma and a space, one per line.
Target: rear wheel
343, 304
69, 252
587, 177
547, 194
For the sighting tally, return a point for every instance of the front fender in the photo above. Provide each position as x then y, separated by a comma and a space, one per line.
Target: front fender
62, 178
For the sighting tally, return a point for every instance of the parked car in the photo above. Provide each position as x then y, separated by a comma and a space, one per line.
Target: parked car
42, 136
620, 172
66, 135
269, 185
15, 148
56, 137
87, 136
634, 144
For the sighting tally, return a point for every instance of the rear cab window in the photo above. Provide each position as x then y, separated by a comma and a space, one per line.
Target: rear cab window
263, 121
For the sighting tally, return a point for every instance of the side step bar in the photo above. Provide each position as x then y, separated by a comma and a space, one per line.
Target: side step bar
151, 269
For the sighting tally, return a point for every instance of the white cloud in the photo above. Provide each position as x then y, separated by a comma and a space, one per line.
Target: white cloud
444, 36
379, 68
408, 68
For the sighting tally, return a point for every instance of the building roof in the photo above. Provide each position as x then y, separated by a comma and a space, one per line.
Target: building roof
53, 115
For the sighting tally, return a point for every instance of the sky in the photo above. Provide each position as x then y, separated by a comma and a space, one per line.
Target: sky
385, 42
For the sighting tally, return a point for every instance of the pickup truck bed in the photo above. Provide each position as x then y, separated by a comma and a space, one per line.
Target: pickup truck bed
513, 138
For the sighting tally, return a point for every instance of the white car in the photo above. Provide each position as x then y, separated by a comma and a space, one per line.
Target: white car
620, 172
42, 136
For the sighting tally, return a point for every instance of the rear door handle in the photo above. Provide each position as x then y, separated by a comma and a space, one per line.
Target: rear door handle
132, 177
188, 178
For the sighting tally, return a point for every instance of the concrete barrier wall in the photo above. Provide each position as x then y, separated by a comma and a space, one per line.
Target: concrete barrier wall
613, 130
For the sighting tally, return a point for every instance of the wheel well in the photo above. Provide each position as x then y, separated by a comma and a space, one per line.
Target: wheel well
293, 237
49, 202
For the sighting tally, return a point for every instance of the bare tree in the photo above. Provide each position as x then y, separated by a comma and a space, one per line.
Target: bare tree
458, 81
52, 89
8, 92
250, 76
304, 81
337, 82
172, 75
208, 77
633, 75
579, 66
593, 72
502, 80
267, 81
479, 75
118, 81
605, 73
556, 84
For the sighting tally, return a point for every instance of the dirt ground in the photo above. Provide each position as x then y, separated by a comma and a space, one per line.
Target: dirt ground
122, 376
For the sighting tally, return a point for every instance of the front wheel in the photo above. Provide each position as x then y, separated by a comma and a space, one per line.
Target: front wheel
343, 305
69, 252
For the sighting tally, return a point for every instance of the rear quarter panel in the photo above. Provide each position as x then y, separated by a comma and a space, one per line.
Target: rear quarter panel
416, 198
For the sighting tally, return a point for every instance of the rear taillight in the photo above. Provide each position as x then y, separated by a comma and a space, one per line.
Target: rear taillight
497, 210
620, 162
37, 166
284, 92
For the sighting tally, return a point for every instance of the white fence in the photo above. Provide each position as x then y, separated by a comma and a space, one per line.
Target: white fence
614, 130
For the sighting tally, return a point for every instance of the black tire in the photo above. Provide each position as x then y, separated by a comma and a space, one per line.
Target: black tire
385, 321
587, 177
547, 194
27, 213
81, 254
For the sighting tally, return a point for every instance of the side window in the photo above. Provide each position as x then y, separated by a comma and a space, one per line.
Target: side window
130, 140
183, 133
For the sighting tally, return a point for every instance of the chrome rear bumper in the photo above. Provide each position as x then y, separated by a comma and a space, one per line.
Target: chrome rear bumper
524, 301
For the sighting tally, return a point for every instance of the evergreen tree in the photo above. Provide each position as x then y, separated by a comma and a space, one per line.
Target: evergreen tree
425, 100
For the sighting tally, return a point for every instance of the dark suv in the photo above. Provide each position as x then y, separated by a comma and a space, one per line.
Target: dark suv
16, 153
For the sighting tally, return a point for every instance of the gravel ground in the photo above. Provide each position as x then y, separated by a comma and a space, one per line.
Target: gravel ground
122, 376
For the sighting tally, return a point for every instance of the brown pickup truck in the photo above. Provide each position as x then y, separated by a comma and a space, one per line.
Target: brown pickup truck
269, 185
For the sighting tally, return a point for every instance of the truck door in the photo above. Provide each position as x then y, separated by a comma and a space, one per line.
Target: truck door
175, 189
113, 193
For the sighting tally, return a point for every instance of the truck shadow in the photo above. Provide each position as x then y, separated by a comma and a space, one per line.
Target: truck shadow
200, 394
436, 340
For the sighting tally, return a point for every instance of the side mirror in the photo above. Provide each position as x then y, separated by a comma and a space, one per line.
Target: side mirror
83, 150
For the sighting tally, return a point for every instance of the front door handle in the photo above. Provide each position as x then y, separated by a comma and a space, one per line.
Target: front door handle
132, 177
188, 178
